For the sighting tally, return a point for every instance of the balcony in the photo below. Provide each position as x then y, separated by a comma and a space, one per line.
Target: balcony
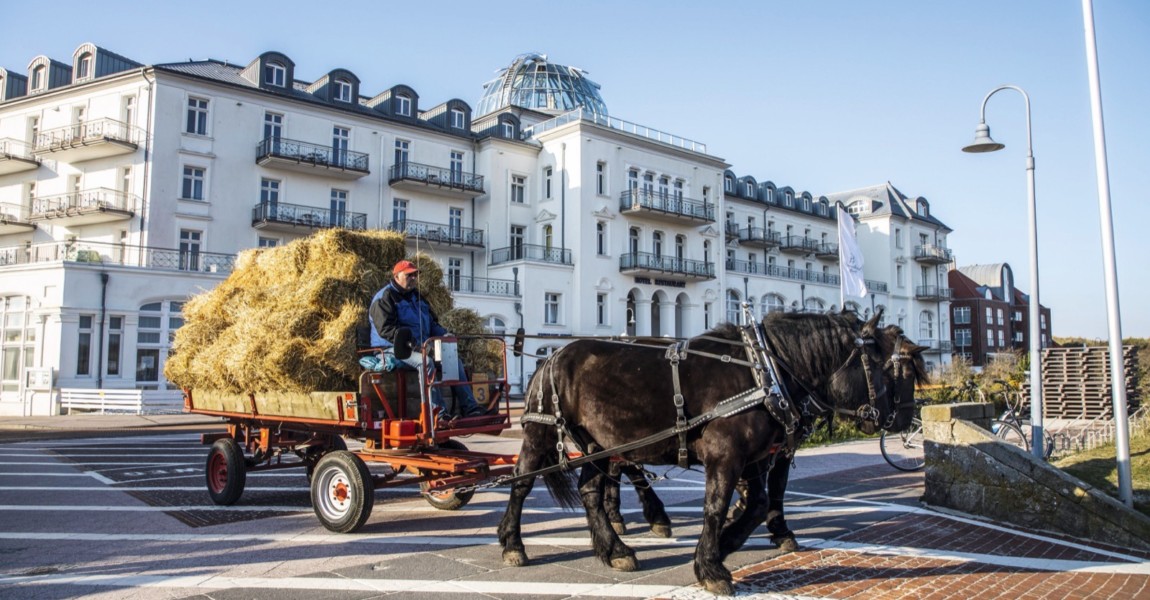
481, 286
14, 219
665, 207
640, 263
827, 251
316, 159
768, 270
99, 205
731, 230
16, 156
288, 218
932, 292
123, 255
531, 253
439, 233
929, 254
935, 345
759, 237
86, 141
798, 244
446, 182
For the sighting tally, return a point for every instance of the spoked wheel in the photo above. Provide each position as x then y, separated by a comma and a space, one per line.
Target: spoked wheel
446, 499
1011, 434
226, 471
904, 451
342, 491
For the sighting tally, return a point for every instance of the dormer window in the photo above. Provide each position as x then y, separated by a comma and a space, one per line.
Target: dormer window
457, 118
750, 189
923, 209
806, 204
770, 196
342, 90
38, 79
728, 185
789, 199
508, 130
84, 67
275, 74
403, 106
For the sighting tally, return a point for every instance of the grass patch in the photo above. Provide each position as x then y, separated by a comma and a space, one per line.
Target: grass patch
1099, 468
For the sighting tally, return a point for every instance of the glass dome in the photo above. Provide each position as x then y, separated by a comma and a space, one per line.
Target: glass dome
533, 82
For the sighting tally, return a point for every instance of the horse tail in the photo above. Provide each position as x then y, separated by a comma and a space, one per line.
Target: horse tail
559, 483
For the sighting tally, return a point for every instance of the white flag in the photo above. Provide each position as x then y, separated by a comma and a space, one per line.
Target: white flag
851, 278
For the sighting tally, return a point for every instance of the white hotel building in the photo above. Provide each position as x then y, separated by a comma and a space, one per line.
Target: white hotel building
126, 188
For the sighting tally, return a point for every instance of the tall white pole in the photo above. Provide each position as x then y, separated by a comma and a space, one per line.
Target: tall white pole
1113, 315
983, 143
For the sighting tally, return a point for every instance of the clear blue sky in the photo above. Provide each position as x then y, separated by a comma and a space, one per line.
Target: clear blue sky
823, 96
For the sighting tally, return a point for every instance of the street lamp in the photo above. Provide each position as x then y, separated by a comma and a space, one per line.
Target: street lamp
983, 143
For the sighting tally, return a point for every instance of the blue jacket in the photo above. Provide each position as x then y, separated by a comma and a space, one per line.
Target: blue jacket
392, 308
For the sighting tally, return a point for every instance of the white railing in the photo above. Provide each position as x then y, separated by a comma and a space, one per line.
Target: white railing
581, 114
138, 402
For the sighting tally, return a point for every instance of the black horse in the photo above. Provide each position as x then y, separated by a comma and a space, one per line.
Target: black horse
606, 395
905, 375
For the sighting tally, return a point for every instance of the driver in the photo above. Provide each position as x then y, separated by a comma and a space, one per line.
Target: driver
400, 305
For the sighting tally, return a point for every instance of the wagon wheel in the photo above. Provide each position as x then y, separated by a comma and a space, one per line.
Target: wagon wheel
225, 471
342, 491
312, 455
446, 499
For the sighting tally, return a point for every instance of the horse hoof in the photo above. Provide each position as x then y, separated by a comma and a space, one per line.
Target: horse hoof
514, 558
625, 563
787, 545
620, 528
661, 530
719, 587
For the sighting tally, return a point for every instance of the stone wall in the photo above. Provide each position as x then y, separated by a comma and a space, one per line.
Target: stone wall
970, 470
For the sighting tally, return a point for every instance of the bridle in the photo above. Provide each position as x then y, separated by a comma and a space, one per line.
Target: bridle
864, 351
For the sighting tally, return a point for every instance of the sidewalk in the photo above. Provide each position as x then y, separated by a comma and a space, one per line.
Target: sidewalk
101, 422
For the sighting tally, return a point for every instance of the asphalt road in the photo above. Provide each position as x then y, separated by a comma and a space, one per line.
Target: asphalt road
123, 514
126, 514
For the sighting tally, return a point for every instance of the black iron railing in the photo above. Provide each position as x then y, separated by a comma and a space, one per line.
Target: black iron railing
531, 252
481, 285
125, 255
315, 154
93, 199
631, 200
448, 178
85, 133
438, 232
306, 216
666, 264
762, 235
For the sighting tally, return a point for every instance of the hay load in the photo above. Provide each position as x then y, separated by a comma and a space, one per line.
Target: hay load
286, 318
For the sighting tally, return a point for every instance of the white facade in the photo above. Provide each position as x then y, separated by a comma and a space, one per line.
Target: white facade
131, 188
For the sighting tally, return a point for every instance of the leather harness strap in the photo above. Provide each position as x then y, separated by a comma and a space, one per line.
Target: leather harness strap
675, 353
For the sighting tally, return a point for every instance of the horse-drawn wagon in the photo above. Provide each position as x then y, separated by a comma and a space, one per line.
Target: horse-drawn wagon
403, 442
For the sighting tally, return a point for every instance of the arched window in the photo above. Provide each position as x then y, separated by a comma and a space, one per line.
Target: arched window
158, 324
814, 305
926, 325
732, 306
773, 303
495, 325
547, 236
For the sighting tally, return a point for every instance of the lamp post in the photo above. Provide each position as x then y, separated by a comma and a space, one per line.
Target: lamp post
983, 143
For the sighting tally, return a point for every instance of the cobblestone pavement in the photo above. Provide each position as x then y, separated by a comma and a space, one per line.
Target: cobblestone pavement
925, 554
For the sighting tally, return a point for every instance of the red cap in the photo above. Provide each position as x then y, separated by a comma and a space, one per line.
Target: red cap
404, 266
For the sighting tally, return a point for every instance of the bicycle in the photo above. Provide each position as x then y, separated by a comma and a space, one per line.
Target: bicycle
1011, 428
905, 450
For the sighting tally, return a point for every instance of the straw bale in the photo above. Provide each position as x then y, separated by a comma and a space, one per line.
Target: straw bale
286, 317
